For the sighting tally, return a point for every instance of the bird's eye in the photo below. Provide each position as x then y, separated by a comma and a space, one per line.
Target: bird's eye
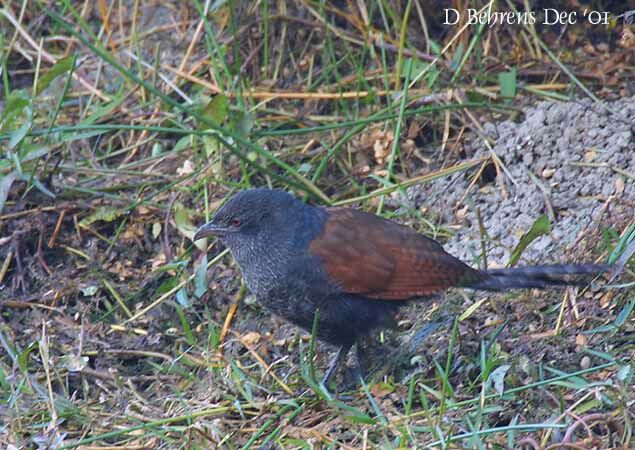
235, 222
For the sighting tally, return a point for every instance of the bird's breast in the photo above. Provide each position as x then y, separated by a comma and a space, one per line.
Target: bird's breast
263, 269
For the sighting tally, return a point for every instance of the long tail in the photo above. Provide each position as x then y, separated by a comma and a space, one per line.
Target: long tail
537, 276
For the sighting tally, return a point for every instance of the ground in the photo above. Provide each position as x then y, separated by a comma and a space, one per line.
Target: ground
505, 143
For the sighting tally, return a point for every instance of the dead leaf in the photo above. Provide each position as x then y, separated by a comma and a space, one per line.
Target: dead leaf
413, 129
590, 155
187, 168
619, 185
408, 146
250, 338
377, 142
381, 390
132, 232
157, 261
627, 40
462, 213
380, 152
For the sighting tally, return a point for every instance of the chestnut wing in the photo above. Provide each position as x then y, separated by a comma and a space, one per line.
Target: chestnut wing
367, 255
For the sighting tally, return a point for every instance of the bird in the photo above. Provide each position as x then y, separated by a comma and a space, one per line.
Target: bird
347, 269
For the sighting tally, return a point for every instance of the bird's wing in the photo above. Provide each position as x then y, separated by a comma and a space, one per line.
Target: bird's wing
367, 255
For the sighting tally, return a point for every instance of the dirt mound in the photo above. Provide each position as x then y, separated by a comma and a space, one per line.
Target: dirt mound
573, 161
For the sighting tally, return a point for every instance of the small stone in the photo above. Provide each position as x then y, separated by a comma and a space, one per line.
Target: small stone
548, 173
585, 362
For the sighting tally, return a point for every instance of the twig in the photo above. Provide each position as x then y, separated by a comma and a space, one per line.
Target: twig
58, 226
40, 255
583, 421
232, 311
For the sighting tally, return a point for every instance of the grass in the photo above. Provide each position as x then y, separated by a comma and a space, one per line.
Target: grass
125, 126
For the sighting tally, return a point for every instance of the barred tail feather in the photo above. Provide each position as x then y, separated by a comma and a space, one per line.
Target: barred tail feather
540, 277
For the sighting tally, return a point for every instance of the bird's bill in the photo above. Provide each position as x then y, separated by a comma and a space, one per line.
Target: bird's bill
209, 229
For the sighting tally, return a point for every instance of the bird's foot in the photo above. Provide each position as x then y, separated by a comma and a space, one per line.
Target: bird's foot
353, 378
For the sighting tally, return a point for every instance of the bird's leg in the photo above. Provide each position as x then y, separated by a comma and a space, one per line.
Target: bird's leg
358, 371
335, 363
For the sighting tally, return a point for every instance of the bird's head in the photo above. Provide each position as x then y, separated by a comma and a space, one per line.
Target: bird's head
250, 215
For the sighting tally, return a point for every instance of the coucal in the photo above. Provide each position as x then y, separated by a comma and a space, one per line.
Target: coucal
356, 268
